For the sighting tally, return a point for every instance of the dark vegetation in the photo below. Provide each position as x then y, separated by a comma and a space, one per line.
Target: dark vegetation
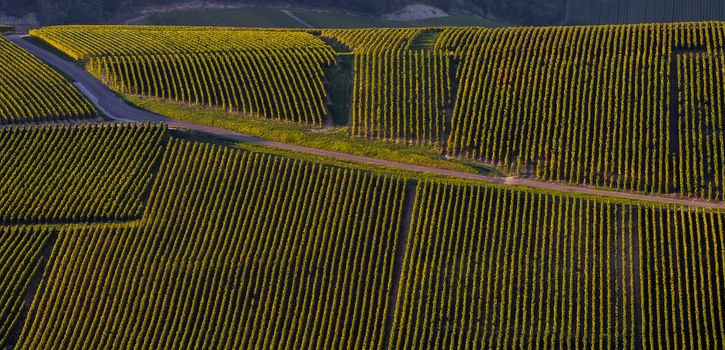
643, 11
102, 11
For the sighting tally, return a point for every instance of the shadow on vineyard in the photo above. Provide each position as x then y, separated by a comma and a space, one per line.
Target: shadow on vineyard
339, 81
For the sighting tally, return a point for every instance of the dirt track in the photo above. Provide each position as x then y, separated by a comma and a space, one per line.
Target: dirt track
116, 108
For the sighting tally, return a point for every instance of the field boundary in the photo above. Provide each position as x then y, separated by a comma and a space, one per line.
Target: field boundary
400, 246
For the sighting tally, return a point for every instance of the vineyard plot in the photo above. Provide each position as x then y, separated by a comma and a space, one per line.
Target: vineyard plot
592, 105
236, 250
682, 278
286, 85
76, 173
489, 267
401, 95
264, 73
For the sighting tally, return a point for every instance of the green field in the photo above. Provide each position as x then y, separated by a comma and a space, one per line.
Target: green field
271, 17
257, 17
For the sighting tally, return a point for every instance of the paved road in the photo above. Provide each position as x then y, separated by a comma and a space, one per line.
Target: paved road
113, 106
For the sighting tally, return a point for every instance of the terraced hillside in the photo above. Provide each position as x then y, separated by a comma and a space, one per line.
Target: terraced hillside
30, 91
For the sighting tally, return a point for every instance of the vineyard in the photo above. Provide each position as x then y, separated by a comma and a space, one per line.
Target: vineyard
236, 250
117, 235
30, 91
76, 173
564, 104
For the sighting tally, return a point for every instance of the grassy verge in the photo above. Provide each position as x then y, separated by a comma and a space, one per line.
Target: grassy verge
333, 139
197, 136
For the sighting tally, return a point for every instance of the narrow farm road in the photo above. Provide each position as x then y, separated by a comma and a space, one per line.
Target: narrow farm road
115, 107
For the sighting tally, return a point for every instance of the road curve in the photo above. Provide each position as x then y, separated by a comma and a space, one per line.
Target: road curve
116, 108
